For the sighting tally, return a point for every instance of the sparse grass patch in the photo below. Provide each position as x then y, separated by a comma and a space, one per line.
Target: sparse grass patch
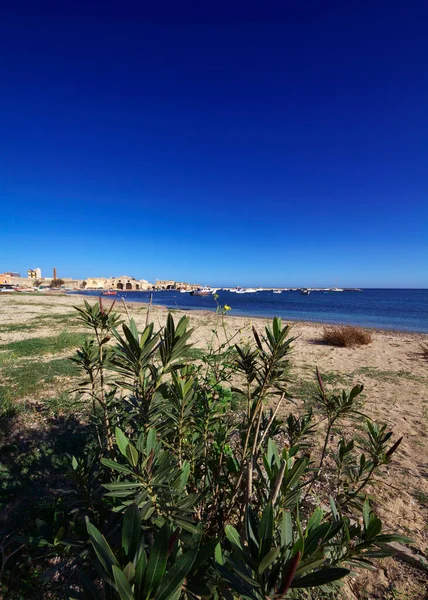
54, 344
68, 318
332, 377
346, 336
13, 327
30, 377
390, 375
195, 354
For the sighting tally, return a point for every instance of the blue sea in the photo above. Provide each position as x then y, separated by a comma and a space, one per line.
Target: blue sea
396, 309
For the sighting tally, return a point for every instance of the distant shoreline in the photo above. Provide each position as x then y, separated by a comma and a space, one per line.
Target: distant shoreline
236, 313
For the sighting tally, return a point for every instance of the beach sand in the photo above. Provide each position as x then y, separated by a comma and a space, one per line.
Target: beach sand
395, 378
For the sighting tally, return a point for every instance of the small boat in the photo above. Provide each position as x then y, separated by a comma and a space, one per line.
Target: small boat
305, 292
205, 291
183, 291
277, 291
109, 293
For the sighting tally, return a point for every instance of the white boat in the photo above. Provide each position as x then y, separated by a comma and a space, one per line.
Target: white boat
204, 291
183, 291
250, 290
277, 291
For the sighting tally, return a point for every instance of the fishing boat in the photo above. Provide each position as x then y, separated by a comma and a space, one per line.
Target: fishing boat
205, 291
183, 291
305, 292
277, 291
109, 293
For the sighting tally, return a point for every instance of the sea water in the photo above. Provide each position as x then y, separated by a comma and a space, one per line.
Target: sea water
396, 309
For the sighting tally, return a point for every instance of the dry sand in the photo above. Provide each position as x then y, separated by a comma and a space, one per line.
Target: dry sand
395, 376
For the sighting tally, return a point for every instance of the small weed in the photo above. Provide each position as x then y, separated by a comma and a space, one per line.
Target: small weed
346, 336
422, 498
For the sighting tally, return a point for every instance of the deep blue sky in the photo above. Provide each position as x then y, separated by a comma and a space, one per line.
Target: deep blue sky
240, 145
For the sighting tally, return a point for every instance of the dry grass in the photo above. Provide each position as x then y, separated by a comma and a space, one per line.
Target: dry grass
424, 350
346, 336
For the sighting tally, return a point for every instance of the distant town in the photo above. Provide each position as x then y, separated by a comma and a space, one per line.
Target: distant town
36, 281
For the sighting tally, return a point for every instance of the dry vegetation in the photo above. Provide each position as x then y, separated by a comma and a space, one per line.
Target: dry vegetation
346, 336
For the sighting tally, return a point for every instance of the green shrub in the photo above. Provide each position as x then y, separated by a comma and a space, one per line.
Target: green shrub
185, 497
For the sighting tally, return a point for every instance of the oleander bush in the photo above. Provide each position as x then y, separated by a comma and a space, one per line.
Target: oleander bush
346, 336
199, 484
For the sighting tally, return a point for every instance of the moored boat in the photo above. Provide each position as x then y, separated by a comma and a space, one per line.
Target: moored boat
205, 291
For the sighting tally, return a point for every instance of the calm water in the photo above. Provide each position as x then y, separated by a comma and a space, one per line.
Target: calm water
405, 310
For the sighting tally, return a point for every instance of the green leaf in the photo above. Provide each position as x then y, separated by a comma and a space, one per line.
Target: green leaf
320, 577
374, 528
101, 547
392, 537
140, 569
132, 455
151, 441
315, 519
177, 574
157, 562
112, 464
233, 536
268, 559
286, 529
218, 555
121, 441
131, 529
123, 588
266, 530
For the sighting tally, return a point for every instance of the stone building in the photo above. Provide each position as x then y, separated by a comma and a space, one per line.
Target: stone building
124, 282
165, 284
97, 283
170, 284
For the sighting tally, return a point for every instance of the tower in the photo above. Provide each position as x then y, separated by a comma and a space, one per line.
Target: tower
54, 272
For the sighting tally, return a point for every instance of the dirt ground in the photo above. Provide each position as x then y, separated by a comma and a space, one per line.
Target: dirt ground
395, 377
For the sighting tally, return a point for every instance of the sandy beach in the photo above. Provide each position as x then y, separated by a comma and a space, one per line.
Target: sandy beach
391, 367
